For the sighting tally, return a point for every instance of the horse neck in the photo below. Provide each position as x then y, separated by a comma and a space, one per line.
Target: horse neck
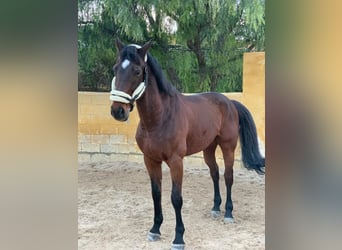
151, 105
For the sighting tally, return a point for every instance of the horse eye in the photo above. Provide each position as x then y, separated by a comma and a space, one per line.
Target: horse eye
137, 71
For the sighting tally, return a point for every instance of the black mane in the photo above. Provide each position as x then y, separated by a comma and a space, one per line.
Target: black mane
164, 86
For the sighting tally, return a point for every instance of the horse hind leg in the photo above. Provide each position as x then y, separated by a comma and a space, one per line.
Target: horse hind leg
228, 149
210, 160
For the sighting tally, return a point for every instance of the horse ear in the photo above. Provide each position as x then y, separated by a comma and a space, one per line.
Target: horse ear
143, 50
119, 44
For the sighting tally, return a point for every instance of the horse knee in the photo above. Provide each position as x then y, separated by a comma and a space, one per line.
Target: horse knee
228, 176
177, 201
228, 172
156, 190
214, 173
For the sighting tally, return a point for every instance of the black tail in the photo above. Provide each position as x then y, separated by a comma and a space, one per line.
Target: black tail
251, 156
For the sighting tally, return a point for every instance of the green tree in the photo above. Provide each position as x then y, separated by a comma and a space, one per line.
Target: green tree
218, 32
203, 53
95, 46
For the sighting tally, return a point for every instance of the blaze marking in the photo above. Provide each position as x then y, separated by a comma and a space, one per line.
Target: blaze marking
125, 64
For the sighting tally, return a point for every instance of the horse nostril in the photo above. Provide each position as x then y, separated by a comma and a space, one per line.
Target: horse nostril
118, 113
112, 112
121, 112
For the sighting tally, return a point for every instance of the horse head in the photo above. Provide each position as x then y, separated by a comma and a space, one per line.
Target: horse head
130, 78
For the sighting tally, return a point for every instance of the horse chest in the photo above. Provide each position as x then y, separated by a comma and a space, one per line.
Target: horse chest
156, 147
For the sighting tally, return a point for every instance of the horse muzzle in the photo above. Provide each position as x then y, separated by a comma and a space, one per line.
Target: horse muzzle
119, 112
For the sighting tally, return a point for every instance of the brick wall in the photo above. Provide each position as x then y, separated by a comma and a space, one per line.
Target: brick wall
103, 139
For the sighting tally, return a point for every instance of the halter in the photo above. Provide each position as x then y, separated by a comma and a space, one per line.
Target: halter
123, 97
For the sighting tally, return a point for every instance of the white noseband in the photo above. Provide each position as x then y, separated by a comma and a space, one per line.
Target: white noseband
120, 96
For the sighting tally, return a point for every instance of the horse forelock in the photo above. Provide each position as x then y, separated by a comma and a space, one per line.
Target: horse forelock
130, 53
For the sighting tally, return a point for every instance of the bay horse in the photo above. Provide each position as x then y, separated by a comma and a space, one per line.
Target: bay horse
173, 126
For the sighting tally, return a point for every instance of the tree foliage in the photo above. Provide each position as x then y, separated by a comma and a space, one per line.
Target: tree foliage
199, 43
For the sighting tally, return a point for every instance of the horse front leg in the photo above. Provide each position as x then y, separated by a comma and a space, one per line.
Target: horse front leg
176, 170
155, 173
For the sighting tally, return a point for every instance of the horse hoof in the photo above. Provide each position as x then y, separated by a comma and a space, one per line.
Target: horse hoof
177, 246
228, 220
215, 214
153, 236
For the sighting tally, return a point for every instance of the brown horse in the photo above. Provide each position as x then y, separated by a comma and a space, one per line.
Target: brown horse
173, 126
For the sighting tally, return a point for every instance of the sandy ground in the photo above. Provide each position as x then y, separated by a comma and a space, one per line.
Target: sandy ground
116, 210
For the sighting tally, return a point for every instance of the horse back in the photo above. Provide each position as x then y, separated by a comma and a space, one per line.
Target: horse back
211, 105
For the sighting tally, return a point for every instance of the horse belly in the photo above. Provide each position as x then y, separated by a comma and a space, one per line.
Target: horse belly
199, 141
203, 128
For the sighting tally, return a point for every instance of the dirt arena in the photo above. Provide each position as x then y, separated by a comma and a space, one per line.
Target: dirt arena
115, 209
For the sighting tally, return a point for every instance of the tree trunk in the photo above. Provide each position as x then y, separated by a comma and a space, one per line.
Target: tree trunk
195, 46
213, 81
